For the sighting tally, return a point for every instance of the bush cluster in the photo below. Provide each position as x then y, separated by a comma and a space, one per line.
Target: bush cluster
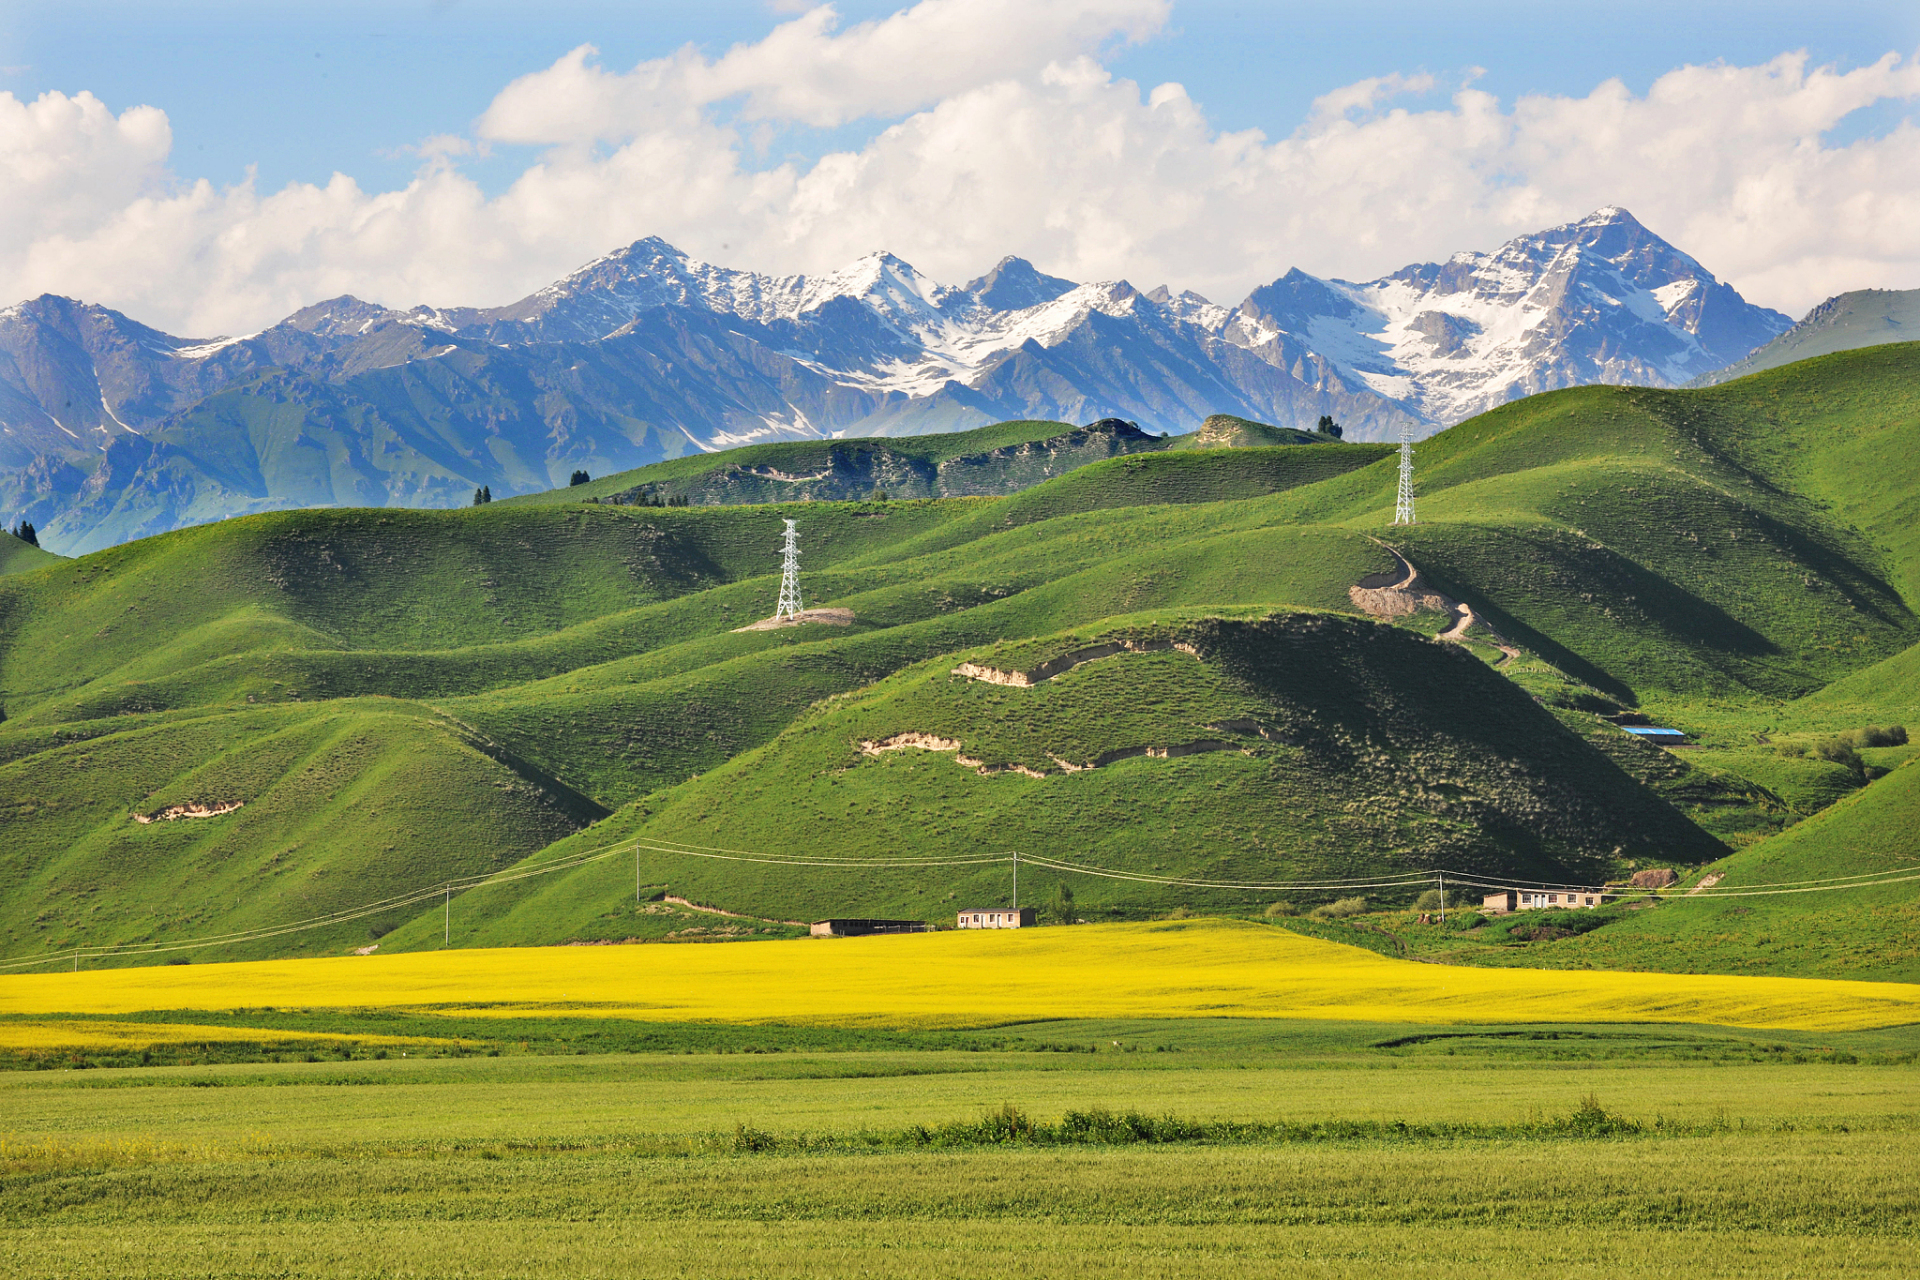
1844, 748
1008, 1125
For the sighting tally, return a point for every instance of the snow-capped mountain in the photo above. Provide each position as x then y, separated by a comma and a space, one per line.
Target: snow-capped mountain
110, 429
1602, 300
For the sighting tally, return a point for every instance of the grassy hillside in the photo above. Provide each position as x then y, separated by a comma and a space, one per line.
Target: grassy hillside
1295, 746
342, 804
992, 461
1869, 932
1738, 562
1228, 431
17, 556
708, 471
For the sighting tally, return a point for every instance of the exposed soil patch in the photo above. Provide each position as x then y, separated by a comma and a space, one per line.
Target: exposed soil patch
831, 617
933, 742
193, 810
1402, 594
1067, 662
733, 915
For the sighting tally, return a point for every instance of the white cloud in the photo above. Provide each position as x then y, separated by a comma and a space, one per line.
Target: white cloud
1009, 136
808, 72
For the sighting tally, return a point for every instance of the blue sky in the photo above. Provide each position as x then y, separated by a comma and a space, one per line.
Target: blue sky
177, 160
301, 90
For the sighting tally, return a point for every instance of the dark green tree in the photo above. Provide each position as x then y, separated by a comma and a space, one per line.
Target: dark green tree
26, 533
1328, 427
578, 477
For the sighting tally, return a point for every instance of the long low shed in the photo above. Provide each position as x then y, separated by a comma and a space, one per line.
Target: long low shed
1534, 899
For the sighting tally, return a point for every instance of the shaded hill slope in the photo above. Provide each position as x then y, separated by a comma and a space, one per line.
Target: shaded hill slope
1292, 746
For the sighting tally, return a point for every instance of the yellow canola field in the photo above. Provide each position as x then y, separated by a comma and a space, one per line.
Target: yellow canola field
1198, 968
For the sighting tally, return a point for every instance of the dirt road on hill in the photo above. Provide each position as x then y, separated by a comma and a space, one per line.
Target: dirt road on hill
1410, 594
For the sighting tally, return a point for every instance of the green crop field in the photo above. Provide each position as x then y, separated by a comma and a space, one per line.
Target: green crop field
1068, 1148
301, 716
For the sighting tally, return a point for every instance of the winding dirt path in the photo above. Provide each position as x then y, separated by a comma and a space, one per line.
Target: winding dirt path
1411, 594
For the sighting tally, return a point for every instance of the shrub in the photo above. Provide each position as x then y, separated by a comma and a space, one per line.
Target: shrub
1838, 751
1281, 908
748, 1138
1341, 909
1892, 735
1434, 900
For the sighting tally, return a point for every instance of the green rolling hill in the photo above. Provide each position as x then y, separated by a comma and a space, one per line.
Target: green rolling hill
17, 556
985, 462
393, 699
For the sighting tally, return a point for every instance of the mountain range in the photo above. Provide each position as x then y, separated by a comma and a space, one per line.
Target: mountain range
111, 430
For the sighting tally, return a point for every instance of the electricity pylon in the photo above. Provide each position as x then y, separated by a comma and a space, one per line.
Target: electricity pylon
1403, 504
789, 605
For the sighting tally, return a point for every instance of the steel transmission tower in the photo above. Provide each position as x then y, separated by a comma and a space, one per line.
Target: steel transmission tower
789, 605
1403, 505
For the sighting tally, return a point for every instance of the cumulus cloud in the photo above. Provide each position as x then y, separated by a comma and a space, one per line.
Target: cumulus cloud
809, 72
1007, 135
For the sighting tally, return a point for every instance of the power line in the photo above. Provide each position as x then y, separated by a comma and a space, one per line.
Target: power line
571, 861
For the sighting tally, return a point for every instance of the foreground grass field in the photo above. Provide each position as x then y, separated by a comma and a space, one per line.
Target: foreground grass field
1363, 1151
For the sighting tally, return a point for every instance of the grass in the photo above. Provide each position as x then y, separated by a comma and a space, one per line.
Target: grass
17, 556
1829, 934
708, 472
1348, 750
1280, 1147
1737, 561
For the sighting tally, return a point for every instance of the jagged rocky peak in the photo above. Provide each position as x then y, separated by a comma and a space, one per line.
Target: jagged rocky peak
344, 316
1015, 284
87, 323
1294, 299
1599, 299
722, 356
